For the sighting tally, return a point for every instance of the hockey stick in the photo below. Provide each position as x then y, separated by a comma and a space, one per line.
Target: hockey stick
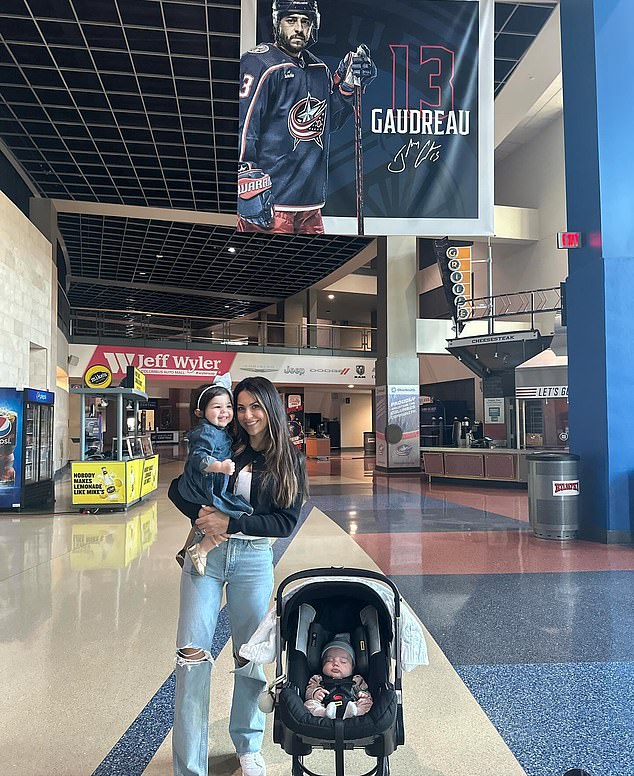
358, 156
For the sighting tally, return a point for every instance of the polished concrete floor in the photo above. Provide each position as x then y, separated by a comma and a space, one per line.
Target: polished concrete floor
531, 648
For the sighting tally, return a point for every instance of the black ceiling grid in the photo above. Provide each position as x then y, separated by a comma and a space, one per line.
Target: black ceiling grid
516, 27
131, 299
202, 257
125, 102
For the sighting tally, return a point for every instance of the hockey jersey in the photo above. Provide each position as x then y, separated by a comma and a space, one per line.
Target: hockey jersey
288, 108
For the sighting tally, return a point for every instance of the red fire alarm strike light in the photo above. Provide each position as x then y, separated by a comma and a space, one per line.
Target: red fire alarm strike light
568, 240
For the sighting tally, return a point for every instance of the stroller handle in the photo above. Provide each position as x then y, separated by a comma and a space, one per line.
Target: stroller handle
337, 571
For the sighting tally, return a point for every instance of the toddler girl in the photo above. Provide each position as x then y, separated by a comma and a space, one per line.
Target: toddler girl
209, 465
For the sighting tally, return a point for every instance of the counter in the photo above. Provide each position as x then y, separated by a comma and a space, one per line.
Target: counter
497, 464
317, 447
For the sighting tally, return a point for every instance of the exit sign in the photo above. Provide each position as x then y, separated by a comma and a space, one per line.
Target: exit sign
568, 240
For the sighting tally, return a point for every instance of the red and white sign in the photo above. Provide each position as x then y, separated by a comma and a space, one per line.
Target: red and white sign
164, 364
568, 240
204, 365
565, 487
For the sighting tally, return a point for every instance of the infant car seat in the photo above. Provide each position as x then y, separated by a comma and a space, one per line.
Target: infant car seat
307, 620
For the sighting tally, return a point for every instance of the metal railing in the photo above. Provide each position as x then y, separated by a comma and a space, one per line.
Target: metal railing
523, 305
219, 333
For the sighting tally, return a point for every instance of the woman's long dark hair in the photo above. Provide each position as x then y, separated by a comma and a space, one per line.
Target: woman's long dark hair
285, 476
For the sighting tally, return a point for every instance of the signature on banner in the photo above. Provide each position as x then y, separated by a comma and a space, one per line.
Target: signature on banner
415, 153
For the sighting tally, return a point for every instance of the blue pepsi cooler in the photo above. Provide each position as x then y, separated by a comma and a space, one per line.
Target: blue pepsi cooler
26, 448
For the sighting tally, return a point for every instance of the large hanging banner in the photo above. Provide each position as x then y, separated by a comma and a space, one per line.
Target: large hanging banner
356, 118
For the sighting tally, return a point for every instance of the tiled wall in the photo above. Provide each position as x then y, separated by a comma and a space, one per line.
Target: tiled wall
28, 323
27, 271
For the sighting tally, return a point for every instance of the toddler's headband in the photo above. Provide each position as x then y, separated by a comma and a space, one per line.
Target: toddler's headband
220, 381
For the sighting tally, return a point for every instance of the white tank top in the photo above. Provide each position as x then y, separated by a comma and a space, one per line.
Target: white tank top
243, 488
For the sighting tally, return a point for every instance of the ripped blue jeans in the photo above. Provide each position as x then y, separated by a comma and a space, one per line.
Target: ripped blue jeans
246, 568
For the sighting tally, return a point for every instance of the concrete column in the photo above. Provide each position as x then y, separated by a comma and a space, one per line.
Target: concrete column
311, 318
293, 320
263, 339
397, 375
598, 63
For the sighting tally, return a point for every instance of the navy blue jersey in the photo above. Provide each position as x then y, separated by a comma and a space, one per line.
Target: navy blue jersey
288, 108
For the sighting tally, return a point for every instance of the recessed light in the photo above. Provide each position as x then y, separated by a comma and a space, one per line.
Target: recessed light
351, 386
231, 249
159, 255
142, 273
227, 306
331, 296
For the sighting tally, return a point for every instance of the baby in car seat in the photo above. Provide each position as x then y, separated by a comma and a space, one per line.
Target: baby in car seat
338, 693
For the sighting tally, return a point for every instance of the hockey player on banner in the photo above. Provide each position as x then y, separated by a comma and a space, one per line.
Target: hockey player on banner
289, 105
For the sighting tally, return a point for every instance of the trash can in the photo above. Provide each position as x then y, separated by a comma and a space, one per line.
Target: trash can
369, 443
553, 495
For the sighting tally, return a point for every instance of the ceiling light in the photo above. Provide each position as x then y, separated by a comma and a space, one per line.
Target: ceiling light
227, 306
231, 249
331, 296
142, 273
351, 386
159, 255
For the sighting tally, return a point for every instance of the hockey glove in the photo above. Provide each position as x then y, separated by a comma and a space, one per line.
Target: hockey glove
255, 198
355, 69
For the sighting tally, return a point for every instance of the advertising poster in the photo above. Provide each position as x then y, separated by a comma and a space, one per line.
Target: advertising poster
10, 448
134, 476
380, 400
204, 365
150, 475
295, 418
402, 433
98, 482
353, 120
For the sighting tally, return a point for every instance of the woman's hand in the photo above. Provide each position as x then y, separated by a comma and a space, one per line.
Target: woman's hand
212, 521
217, 539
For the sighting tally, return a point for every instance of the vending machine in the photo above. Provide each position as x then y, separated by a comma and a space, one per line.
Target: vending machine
26, 448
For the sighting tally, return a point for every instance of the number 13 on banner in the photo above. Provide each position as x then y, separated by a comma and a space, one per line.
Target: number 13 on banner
432, 76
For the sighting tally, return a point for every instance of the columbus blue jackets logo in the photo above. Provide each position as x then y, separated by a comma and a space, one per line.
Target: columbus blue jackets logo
306, 121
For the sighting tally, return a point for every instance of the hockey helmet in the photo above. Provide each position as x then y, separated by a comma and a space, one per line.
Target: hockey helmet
309, 8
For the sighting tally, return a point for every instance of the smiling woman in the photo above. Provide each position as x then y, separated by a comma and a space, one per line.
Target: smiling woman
270, 477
